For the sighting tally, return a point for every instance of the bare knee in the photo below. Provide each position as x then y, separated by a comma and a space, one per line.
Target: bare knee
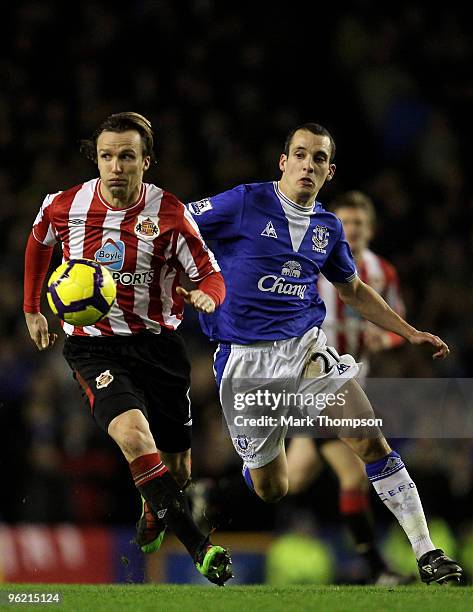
271, 491
131, 432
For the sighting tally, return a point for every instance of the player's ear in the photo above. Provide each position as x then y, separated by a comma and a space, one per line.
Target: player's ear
282, 162
331, 172
146, 162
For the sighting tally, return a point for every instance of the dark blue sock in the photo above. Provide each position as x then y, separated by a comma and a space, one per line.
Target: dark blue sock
247, 477
384, 467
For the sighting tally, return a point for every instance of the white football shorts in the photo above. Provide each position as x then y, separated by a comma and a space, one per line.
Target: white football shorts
303, 365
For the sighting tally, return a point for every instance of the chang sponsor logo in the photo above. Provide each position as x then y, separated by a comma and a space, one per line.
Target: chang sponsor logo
291, 268
278, 284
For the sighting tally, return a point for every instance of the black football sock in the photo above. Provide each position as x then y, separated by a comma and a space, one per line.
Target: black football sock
166, 499
354, 509
160, 521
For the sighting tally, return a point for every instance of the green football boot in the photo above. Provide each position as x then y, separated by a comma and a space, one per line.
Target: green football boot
149, 529
214, 563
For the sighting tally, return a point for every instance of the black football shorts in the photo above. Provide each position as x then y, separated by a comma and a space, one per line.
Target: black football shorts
147, 371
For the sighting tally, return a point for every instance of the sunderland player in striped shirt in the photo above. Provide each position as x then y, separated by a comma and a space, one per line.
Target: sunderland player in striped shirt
132, 366
272, 241
349, 333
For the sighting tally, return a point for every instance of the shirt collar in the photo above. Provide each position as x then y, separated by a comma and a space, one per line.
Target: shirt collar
284, 199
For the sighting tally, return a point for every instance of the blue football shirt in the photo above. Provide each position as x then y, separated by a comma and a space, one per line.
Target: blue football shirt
271, 252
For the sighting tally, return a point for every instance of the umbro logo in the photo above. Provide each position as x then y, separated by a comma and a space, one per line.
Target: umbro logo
76, 221
269, 230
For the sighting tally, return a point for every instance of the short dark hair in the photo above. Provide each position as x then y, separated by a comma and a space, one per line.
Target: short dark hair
315, 128
356, 200
121, 122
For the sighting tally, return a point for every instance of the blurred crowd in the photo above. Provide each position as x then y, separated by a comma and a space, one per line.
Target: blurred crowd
222, 86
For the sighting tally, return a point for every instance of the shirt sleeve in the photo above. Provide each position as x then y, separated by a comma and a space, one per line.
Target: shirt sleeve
193, 254
214, 286
219, 217
340, 266
43, 228
37, 260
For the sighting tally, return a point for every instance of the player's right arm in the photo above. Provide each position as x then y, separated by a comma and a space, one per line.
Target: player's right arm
39, 250
219, 217
372, 307
37, 259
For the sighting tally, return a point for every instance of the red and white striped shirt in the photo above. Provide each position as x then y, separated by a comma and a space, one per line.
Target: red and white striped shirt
343, 325
145, 246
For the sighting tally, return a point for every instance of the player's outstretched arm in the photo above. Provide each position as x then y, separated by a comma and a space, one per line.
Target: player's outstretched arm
372, 307
38, 328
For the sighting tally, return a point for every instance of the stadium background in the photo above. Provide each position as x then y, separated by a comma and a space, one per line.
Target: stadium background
222, 85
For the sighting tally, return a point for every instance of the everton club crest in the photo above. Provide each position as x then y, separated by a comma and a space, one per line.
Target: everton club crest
146, 228
320, 238
244, 447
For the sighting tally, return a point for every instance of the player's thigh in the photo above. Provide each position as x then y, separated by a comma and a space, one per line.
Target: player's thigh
348, 467
103, 375
303, 463
162, 370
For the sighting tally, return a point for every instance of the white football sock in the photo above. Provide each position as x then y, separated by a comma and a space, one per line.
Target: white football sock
399, 493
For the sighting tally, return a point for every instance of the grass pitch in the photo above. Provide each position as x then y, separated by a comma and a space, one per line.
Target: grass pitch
177, 598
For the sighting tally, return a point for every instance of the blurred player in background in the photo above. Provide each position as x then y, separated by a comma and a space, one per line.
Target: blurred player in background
132, 365
272, 241
349, 333
343, 326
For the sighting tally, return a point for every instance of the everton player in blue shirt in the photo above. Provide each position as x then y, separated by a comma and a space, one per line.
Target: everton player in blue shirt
271, 241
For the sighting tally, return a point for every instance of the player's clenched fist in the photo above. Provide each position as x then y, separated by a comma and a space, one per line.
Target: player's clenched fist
198, 299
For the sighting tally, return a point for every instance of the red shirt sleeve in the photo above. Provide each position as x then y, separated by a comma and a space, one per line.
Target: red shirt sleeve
195, 257
214, 286
37, 260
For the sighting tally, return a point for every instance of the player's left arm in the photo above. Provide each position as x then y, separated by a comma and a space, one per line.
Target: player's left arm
200, 264
374, 308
